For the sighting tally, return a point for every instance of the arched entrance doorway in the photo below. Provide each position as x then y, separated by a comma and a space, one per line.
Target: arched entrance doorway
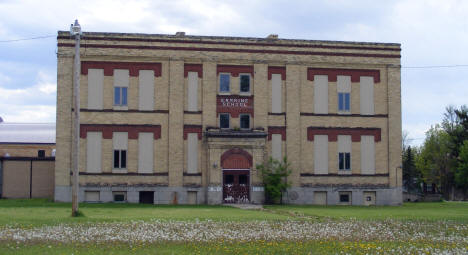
236, 164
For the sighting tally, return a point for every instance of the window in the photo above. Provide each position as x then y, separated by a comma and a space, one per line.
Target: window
344, 160
120, 144
146, 90
121, 84
224, 120
367, 95
95, 84
92, 196
321, 154
244, 121
192, 93
344, 93
321, 94
244, 83
344, 198
344, 152
276, 101
224, 82
93, 152
41, 153
276, 144
120, 159
145, 152
119, 196
343, 102
120, 96
367, 154
192, 152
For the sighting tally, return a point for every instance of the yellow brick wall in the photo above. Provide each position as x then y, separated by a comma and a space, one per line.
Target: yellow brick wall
171, 94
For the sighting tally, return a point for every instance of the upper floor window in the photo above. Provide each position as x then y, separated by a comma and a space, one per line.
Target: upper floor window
244, 83
41, 153
120, 159
224, 82
224, 120
244, 121
120, 96
343, 102
344, 161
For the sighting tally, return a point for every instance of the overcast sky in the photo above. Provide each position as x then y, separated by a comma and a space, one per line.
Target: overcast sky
432, 33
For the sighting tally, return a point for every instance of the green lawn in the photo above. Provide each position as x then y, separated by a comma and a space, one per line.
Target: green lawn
42, 212
440, 227
408, 211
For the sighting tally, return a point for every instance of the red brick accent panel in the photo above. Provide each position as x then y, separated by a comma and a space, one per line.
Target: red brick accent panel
277, 70
108, 129
277, 130
333, 133
109, 67
193, 68
333, 73
193, 129
236, 158
235, 70
235, 105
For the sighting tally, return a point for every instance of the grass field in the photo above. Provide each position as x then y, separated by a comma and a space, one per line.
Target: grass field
44, 227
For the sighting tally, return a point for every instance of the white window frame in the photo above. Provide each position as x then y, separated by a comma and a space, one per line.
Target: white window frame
219, 84
240, 121
229, 120
250, 84
344, 149
120, 146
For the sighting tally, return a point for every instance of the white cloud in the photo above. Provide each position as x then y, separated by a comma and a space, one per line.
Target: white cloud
35, 103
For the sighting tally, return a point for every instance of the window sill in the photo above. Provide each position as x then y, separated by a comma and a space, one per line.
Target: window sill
224, 93
344, 113
119, 171
345, 172
119, 107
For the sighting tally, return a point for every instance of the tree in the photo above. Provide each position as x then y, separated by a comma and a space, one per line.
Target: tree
461, 175
275, 182
434, 159
411, 174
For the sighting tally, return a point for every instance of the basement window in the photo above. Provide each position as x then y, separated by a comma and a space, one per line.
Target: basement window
119, 196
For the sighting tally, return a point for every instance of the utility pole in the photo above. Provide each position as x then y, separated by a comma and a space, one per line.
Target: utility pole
75, 30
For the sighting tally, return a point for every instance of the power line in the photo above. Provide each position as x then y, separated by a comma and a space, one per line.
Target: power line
426, 67
26, 39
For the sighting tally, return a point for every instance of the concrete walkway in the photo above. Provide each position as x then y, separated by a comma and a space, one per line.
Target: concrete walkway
246, 206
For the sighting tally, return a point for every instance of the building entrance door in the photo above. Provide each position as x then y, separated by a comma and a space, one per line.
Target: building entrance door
236, 186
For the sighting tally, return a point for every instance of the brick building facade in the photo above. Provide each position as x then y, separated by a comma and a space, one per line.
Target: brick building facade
186, 119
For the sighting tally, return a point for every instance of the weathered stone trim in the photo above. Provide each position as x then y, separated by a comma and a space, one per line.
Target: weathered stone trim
277, 130
109, 67
286, 52
108, 129
334, 72
112, 110
343, 175
193, 129
193, 68
340, 115
127, 174
333, 133
277, 70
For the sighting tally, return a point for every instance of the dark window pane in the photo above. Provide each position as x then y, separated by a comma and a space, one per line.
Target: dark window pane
243, 179
119, 197
41, 153
341, 160
224, 120
229, 179
340, 101
245, 121
116, 158
348, 161
344, 198
224, 80
123, 160
244, 83
117, 95
346, 103
124, 96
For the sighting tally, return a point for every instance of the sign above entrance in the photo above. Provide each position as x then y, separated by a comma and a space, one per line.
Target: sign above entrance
234, 105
